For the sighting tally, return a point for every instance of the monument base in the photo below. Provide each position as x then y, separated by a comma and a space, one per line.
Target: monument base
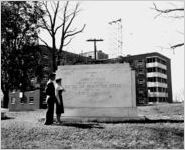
100, 112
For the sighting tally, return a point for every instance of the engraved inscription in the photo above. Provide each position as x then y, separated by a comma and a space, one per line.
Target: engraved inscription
89, 85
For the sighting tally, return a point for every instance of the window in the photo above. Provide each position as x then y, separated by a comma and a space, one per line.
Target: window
141, 71
151, 60
159, 60
140, 63
46, 68
13, 100
141, 81
31, 100
141, 92
141, 101
156, 69
152, 89
23, 99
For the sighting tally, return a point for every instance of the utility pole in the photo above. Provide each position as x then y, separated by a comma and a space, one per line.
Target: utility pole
95, 40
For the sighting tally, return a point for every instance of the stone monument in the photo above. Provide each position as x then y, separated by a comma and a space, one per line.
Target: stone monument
98, 90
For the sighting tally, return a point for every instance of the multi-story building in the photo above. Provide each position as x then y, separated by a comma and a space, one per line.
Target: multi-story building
99, 55
153, 77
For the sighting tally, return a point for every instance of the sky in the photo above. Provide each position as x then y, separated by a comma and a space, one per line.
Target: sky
141, 32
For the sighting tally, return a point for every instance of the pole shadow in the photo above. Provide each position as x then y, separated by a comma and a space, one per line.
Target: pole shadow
145, 121
7, 118
81, 125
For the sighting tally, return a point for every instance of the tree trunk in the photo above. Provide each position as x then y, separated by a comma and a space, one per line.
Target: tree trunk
54, 56
6, 99
60, 52
5, 91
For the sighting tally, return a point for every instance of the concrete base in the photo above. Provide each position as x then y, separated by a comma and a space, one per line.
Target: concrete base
103, 119
100, 112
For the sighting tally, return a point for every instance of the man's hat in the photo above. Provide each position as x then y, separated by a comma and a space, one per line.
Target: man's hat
51, 75
58, 80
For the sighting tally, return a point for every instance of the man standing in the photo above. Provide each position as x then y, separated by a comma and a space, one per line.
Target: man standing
50, 99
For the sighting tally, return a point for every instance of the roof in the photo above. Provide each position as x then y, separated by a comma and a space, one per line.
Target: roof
147, 55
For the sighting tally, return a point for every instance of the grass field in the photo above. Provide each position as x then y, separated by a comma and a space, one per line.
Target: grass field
163, 129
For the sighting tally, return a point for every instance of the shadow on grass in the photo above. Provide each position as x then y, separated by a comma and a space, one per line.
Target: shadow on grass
144, 121
96, 122
81, 125
7, 118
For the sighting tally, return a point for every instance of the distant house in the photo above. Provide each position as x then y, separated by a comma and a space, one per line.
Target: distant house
20, 101
99, 55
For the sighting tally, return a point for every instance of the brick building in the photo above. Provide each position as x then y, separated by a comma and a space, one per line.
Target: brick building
153, 77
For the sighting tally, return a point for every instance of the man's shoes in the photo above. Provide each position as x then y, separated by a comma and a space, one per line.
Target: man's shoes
48, 123
59, 122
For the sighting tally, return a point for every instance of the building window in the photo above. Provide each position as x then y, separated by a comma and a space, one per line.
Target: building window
141, 81
13, 100
140, 63
148, 60
23, 99
31, 100
141, 100
151, 60
156, 69
141, 71
141, 92
46, 68
156, 79
152, 89
152, 79
161, 61
156, 59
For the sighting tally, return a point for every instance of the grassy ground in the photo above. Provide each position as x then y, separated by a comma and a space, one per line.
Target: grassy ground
163, 129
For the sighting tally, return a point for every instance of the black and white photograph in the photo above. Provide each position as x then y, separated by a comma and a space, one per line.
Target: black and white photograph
92, 74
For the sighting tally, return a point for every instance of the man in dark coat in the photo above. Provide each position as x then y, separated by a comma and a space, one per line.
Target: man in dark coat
50, 99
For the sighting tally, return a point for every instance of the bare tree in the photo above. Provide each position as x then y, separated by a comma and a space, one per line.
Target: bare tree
58, 11
178, 13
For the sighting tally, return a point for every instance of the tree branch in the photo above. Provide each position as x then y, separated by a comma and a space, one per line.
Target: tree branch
177, 45
68, 42
58, 27
56, 11
63, 27
44, 41
165, 11
72, 18
48, 12
45, 25
72, 34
